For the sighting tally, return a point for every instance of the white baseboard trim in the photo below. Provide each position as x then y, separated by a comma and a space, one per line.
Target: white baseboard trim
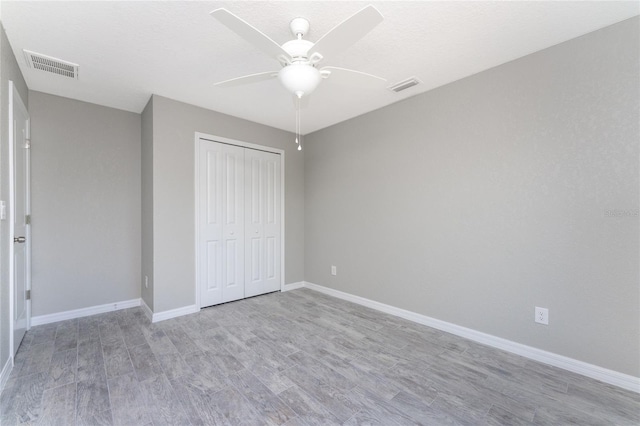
6, 371
84, 312
293, 286
172, 313
615, 378
147, 310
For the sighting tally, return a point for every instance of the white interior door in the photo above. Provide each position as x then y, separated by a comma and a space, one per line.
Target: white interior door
262, 224
20, 211
221, 223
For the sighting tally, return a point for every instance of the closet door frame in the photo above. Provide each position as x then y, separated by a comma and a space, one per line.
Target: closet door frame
204, 137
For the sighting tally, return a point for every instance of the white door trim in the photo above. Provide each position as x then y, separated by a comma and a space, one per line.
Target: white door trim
14, 99
212, 138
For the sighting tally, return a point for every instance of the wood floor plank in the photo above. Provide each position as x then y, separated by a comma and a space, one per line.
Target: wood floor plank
160, 343
383, 411
116, 358
43, 334
163, 406
23, 401
132, 335
100, 419
202, 363
231, 408
145, 363
268, 405
498, 416
58, 405
567, 416
194, 393
173, 365
110, 331
128, 405
62, 369
183, 343
92, 398
334, 400
273, 379
38, 358
90, 360
66, 341
308, 409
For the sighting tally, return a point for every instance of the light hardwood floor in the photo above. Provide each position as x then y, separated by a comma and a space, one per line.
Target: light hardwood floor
295, 358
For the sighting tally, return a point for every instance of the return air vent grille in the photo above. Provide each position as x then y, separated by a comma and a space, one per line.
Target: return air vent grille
404, 84
49, 64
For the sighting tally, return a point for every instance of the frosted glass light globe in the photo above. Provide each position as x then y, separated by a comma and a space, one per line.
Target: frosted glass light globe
299, 78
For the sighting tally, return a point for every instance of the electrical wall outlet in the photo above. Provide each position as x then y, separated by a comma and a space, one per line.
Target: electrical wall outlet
542, 316
334, 270
146, 281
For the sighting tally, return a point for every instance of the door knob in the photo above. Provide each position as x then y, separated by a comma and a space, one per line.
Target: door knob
19, 239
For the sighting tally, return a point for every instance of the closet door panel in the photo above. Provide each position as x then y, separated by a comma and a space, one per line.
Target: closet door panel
263, 222
233, 222
254, 223
272, 225
210, 217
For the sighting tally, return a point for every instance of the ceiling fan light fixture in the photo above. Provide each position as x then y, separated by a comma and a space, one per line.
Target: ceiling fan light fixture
299, 78
299, 57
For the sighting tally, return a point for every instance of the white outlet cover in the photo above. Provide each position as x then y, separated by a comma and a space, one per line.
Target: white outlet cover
542, 316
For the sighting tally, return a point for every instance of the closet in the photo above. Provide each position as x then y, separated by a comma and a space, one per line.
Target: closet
239, 222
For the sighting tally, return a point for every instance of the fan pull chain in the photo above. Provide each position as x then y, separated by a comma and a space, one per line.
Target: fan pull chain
298, 135
299, 126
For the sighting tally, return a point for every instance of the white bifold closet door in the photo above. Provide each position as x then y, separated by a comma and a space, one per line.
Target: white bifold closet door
240, 222
262, 222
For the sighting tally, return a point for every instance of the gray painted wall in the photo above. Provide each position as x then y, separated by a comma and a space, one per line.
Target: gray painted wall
174, 127
9, 71
475, 202
85, 203
147, 204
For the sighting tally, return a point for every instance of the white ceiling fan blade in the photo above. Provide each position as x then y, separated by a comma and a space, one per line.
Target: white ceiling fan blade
249, 33
347, 32
247, 79
354, 78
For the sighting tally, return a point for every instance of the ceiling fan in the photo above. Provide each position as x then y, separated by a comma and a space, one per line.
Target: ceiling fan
300, 58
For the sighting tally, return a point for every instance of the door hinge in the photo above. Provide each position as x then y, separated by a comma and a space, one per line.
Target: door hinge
28, 295
27, 219
27, 143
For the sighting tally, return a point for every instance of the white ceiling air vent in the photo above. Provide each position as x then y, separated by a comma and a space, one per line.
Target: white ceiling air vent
46, 63
404, 84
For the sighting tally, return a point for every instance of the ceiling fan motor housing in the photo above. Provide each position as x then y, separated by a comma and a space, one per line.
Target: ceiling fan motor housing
297, 48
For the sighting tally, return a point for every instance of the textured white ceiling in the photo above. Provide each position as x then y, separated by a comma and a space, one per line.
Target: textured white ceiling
130, 50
